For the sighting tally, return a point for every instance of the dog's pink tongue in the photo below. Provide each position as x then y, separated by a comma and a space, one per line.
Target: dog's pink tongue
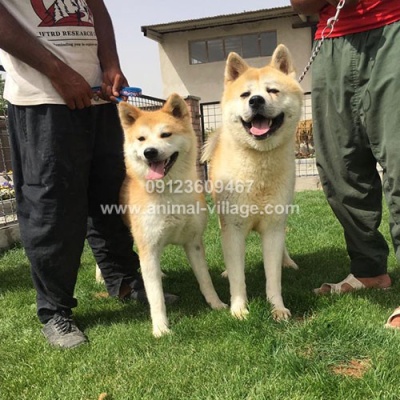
259, 128
156, 170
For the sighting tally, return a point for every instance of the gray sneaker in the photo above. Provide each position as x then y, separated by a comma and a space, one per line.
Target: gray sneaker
61, 331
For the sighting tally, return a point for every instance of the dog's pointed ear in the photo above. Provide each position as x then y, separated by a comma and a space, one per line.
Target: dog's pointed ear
176, 106
128, 114
235, 66
282, 60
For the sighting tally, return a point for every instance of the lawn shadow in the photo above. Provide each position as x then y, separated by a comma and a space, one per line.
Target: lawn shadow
333, 265
104, 316
183, 283
15, 278
180, 281
328, 264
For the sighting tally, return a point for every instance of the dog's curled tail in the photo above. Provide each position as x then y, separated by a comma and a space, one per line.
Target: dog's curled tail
209, 146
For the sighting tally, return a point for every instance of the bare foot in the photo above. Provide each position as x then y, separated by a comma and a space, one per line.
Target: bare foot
394, 320
380, 281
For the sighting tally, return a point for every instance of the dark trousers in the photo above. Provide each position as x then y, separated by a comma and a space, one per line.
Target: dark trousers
66, 165
356, 95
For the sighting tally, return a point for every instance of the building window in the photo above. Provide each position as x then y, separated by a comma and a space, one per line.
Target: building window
198, 51
215, 50
267, 43
233, 44
251, 46
247, 46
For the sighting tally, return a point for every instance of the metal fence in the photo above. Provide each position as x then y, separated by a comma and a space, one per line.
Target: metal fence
146, 103
7, 199
211, 119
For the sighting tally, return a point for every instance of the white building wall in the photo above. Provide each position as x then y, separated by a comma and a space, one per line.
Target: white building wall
206, 80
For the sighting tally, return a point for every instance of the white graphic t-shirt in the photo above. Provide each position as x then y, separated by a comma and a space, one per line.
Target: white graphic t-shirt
65, 27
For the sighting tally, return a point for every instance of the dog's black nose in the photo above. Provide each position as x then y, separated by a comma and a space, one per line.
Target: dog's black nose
151, 153
256, 101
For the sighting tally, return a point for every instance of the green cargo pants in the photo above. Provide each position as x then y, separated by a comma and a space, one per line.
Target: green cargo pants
356, 113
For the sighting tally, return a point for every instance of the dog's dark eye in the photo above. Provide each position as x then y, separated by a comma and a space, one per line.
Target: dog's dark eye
141, 138
244, 95
165, 135
272, 90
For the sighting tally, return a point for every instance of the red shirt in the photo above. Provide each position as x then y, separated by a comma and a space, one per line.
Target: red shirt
367, 15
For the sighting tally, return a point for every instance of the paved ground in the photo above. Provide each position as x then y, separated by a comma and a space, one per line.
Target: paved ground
307, 183
306, 174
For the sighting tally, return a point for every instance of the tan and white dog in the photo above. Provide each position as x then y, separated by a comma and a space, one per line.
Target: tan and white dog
165, 201
252, 169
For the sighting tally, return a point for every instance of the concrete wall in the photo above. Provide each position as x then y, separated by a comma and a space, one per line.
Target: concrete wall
206, 80
9, 235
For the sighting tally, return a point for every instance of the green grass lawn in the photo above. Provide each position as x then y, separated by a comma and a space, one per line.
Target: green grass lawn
334, 347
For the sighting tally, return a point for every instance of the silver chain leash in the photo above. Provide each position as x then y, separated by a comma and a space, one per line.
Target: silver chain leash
330, 24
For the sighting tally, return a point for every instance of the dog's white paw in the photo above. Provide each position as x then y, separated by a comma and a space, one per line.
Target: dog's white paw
225, 274
99, 276
160, 330
239, 311
289, 263
281, 314
218, 305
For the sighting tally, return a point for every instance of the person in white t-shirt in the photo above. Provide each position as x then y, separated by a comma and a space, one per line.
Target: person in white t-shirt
67, 151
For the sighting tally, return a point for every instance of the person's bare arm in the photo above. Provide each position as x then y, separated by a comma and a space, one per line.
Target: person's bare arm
309, 7
347, 3
15, 40
113, 78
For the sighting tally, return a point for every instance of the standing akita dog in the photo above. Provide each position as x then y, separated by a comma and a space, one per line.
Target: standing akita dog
165, 203
252, 169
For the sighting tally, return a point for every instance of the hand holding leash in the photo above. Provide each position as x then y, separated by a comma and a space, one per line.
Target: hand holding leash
126, 91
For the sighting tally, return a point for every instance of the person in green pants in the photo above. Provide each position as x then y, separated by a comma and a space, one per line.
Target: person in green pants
355, 97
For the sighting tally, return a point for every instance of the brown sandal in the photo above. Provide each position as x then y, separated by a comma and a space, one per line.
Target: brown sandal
336, 288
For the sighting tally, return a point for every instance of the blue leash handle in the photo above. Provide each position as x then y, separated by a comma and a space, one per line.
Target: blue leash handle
127, 91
